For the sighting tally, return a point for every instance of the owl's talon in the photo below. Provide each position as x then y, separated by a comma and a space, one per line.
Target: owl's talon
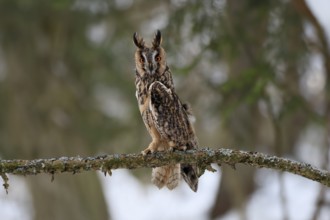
182, 148
146, 151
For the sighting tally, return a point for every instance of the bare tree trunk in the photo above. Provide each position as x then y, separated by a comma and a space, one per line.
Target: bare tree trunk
36, 115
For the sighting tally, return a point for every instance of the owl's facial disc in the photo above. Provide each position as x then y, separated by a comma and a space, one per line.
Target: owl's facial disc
151, 64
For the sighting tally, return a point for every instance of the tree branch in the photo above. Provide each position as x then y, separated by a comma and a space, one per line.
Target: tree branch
204, 157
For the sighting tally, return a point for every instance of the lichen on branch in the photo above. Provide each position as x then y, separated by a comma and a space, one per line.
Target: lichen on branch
203, 157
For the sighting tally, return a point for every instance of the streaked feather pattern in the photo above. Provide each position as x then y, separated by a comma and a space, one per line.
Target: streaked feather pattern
166, 118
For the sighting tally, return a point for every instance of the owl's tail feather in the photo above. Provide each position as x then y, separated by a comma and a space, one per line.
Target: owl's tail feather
190, 175
166, 175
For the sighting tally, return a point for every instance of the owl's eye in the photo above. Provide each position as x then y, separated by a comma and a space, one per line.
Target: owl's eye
141, 60
157, 58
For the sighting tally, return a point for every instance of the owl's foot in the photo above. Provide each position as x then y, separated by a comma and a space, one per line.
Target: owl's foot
148, 150
158, 146
182, 148
173, 147
153, 147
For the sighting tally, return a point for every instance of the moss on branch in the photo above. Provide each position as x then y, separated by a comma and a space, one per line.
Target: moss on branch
204, 157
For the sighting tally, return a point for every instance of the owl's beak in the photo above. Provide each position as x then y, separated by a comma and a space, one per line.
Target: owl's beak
151, 68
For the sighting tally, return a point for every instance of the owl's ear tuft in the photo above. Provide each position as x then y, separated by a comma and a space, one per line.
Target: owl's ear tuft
138, 41
157, 39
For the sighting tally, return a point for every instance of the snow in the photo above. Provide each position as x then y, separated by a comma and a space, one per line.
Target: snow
17, 203
128, 198
300, 195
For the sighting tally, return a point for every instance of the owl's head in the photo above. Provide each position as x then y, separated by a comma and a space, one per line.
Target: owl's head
149, 60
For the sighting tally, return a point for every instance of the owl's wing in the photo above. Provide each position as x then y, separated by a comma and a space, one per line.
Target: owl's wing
172, 122
170, 117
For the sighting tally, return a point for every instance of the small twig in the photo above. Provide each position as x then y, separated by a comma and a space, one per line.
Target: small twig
5, 181
203, 157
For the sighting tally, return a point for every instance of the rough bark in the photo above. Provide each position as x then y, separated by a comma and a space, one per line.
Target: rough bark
204, 157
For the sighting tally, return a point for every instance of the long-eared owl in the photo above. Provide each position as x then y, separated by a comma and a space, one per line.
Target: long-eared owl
164, 115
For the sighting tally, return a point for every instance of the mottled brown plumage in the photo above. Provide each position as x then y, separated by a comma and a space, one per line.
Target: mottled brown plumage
166, 118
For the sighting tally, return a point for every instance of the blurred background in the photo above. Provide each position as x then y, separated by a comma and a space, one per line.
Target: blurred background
256, 73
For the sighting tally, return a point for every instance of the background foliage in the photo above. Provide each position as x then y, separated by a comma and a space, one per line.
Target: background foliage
255, 73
